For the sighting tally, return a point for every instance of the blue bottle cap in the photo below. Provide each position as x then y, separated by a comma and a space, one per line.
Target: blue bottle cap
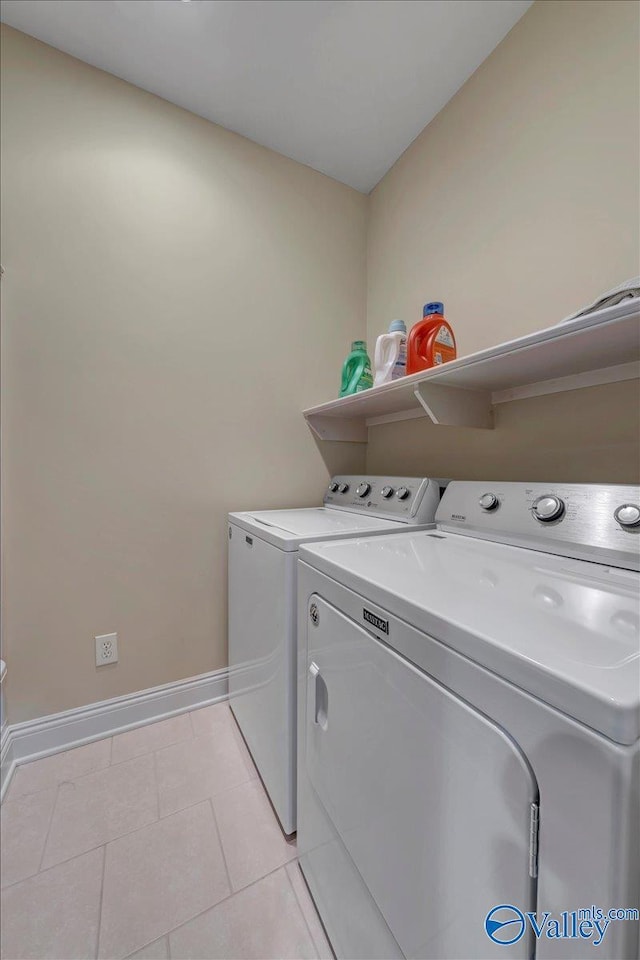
433, 307
396, 325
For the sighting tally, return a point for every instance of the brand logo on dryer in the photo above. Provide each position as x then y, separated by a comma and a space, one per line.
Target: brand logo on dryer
377, 622
458, 516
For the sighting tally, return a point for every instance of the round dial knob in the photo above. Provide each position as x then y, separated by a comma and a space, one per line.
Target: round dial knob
363, 489
628, 515
387, 492
343, 487
333, 487
547, 508
489, 501
402, 493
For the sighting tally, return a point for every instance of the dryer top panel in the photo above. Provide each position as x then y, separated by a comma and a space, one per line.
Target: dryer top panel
566, 631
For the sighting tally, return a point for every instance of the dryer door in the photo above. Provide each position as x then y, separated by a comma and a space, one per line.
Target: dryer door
428, 799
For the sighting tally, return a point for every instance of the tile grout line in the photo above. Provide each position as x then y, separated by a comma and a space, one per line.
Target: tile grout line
212, 906
155, 778
173, 743
219, 835
104, 868
234, 893
52, 786
221, 793
306, 887
193, 729
29, 793
76, 856
46, 839
243, 783
105, 839
148, 944
92, 773
144, 753
103, 843
295, 865
128, 833
297, 899
251, 777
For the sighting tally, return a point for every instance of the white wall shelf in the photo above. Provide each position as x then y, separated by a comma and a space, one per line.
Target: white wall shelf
603, 347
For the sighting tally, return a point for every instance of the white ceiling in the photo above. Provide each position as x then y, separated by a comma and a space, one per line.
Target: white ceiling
343, 86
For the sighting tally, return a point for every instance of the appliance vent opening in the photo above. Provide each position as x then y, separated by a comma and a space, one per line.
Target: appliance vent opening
437, 536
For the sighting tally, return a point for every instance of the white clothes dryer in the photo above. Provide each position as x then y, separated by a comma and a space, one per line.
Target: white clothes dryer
469, 714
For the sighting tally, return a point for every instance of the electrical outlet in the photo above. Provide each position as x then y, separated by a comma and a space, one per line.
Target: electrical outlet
106, 649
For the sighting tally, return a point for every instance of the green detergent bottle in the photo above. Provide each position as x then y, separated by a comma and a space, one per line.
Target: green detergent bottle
356, 371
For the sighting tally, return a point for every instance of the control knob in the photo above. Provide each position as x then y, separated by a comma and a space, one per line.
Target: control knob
333, 486
489, 501
402, 493
547, 508
387, 492
628, 515
343, 487
363, 489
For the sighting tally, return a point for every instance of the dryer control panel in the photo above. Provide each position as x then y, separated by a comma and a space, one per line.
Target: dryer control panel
586, 521
406, 499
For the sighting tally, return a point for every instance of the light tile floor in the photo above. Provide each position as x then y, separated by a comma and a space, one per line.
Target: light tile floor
156, 843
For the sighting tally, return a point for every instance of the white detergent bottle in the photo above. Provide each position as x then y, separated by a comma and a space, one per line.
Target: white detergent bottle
390, 358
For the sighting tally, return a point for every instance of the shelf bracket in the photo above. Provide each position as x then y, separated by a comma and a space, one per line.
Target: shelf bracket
335, 428
455, 406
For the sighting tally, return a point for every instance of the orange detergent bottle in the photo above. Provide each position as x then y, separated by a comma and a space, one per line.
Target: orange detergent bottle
431, 340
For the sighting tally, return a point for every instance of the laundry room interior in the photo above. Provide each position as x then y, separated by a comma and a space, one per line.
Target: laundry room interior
320, 496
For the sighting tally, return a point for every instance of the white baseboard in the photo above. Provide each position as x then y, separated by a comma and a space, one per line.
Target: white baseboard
33, 739
7, 762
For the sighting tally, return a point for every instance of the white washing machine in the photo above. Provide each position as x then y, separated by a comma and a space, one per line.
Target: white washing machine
263, 550
468, 722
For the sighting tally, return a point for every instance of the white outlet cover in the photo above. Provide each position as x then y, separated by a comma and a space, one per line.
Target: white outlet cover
106, 649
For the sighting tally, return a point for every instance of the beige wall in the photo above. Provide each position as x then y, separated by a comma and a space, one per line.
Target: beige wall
173, 296
517, 205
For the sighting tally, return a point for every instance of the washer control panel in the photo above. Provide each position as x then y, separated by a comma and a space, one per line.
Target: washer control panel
628, 515
406, 499
587, 521
548, 508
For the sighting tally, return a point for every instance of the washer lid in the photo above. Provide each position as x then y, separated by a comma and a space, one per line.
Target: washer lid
566, 631
287, 528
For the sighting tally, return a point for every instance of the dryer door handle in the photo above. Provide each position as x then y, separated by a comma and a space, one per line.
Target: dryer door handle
321, 697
